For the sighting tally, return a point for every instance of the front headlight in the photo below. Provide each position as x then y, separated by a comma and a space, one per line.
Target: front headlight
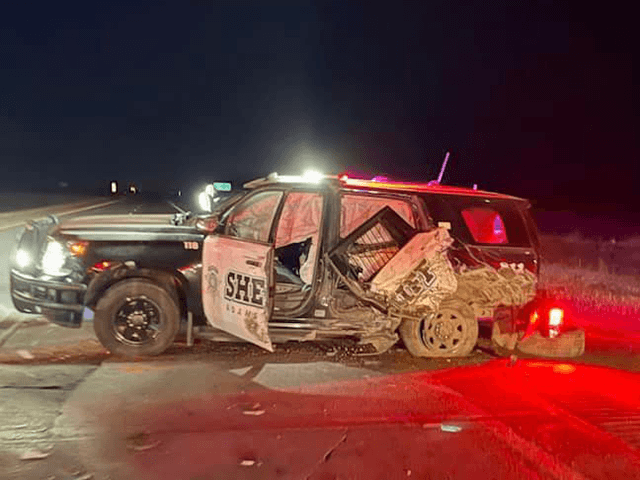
54, 259
23, 259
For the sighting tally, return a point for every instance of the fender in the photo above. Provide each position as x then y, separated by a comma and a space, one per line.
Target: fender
173, 282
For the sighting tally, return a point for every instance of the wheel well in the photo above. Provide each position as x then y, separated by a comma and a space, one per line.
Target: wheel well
173, 283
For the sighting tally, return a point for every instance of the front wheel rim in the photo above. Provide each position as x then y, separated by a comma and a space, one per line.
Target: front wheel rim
444, 331
137, 322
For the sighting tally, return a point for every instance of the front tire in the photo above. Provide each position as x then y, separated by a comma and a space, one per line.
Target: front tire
136, 317
450, 332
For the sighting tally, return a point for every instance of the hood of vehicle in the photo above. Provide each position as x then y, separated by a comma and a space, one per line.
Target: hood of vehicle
150, 227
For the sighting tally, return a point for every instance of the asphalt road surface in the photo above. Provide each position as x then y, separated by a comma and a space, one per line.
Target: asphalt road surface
308, 411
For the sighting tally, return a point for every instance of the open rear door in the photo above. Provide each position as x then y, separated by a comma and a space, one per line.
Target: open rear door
236, 284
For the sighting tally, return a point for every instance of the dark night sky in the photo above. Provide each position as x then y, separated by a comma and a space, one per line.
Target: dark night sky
537, 99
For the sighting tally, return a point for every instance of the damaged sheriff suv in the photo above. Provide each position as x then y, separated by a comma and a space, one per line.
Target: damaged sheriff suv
293, 258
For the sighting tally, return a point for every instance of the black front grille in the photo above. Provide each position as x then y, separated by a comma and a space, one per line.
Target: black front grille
31, 294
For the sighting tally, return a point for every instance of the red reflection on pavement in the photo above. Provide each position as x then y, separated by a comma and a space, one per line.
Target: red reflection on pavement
526, 420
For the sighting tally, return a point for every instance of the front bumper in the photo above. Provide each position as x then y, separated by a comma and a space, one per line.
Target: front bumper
59, 302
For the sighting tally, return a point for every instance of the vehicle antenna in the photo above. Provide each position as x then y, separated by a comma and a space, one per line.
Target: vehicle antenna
444, 165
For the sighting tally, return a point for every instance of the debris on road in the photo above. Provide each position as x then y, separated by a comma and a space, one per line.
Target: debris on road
255, 410
26, 354
513, 359
34, 455
142, 448
450, 428
86, 476
139, 442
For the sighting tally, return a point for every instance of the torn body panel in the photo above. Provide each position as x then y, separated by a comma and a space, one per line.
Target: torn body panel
498, 294
419, 276
486, 288
411, 284
368, 323
372, 245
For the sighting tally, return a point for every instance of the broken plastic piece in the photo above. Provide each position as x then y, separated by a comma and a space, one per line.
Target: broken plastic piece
26, 354
450, 428
34, 455
255, 413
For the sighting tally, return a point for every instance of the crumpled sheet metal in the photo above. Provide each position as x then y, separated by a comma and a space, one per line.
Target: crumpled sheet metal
488, 288
432, 278
371, 326
420, 275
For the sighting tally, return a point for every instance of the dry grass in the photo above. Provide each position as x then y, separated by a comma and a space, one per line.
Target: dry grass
592, 282
595, 288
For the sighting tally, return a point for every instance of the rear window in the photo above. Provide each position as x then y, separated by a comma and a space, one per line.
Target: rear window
485, 225
481, 221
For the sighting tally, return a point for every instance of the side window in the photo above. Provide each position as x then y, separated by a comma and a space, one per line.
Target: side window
357, 209
485, 224
298, 237
252, 219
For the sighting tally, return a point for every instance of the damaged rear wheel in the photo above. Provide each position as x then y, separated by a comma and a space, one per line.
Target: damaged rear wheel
451, 332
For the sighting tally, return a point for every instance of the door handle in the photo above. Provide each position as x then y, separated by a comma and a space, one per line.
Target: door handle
253, 263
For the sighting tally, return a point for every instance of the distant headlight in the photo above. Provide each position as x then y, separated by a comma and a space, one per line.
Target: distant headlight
23, 259
55, 256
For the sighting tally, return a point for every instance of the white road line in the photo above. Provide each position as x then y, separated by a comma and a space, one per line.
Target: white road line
90, 207
104, 204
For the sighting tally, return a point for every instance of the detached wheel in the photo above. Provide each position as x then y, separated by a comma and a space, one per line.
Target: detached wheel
450, 332
136, 317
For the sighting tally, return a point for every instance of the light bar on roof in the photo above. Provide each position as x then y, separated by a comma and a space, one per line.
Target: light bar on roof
313, 176
309, 176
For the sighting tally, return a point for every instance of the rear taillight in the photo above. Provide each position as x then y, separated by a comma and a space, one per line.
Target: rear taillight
535, 317
556, 315
549, 321
556, 318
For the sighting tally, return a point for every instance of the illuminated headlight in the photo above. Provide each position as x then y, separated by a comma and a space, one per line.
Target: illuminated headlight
23, 259
205, 201
55, 256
